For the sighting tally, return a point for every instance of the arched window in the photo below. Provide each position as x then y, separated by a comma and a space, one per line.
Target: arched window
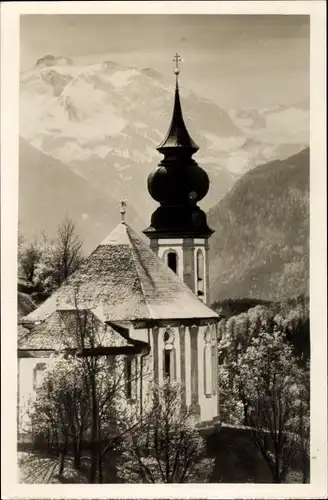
169, 368
172, 260
200, 273
38, 375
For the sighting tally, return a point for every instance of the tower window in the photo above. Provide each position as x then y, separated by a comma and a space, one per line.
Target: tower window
200, 273
172, 261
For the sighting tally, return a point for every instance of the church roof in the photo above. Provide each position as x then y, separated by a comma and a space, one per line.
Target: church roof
62, 330
124, 280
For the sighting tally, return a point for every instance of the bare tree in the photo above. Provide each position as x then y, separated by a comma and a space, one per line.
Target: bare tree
59, 257
29, 257
67, 251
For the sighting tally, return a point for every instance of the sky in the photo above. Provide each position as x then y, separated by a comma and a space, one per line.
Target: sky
236, 60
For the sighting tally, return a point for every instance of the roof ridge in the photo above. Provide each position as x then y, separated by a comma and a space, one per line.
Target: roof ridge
117, 236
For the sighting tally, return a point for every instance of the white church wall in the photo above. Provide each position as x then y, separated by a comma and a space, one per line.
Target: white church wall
26, 389
208, 403
139, 333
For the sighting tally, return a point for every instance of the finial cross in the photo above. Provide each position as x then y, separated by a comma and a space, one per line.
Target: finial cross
177, 59
123, 207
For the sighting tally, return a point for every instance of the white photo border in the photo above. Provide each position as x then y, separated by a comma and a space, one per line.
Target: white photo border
10, 12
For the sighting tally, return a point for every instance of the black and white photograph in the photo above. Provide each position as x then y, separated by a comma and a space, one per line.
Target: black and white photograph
163, 279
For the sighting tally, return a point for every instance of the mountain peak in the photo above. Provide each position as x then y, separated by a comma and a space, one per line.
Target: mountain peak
51, 60
153, 73
110, 65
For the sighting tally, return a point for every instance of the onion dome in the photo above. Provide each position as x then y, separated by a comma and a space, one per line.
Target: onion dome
178, 183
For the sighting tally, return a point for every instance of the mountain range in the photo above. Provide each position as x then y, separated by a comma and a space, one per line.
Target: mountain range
89, 136
260, 248
105, 120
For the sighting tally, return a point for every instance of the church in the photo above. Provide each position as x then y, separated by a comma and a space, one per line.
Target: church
146, 302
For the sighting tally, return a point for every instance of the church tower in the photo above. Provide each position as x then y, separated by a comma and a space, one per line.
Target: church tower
178, 231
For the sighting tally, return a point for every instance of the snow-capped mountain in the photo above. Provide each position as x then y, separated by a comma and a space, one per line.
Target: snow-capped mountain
267, 134
104, 122
49, 192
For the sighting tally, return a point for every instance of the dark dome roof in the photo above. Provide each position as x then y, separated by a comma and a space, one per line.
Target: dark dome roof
178, 185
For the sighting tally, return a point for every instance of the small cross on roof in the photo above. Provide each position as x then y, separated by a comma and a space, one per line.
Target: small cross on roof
123, 207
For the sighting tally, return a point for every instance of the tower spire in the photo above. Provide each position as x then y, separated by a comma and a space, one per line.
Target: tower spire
177, 135
178, 183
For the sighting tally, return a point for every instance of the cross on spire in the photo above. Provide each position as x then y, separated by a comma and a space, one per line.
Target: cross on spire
177, 137
177, 59
123, 207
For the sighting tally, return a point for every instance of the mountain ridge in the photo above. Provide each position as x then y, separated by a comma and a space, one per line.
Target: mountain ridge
260, 247
99, 126
105, 120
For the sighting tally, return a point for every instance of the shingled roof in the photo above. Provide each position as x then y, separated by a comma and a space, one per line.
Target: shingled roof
125, 280
63, 329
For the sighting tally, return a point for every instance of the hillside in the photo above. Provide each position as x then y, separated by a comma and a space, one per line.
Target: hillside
260, 248
49, 191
